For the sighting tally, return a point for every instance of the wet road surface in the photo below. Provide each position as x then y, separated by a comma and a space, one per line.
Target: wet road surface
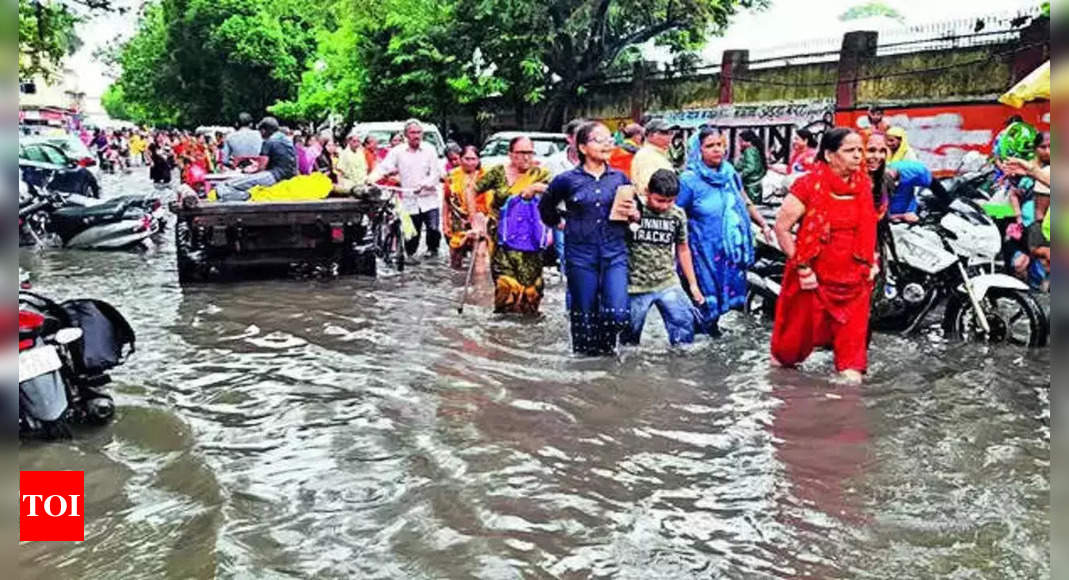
362, 429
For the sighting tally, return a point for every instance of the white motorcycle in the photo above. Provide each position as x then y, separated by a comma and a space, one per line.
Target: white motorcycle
950, 257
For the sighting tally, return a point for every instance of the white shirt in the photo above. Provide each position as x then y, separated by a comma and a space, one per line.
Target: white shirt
558, 163
416, 169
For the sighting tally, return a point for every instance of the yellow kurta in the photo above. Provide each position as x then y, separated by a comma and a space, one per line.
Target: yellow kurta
646, 162
352, 168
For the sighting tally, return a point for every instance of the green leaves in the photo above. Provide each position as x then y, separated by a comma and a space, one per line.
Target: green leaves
871, 9
203, 61
46, 36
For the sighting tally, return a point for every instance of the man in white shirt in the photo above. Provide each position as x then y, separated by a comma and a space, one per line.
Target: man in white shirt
557, 164
568, 159
418, 168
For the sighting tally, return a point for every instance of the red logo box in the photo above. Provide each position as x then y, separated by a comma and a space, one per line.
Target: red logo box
51, 506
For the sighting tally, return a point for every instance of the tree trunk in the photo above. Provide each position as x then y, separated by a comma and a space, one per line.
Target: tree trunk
558, 107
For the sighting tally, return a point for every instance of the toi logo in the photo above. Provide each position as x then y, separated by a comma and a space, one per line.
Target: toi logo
51, 506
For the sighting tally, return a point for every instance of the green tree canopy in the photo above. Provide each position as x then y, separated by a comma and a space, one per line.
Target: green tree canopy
870, 10
204, 61
554, 49
46, 37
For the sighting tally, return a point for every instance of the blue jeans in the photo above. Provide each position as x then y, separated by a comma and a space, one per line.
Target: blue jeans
558, 244
676, 311
237, 189
597, 284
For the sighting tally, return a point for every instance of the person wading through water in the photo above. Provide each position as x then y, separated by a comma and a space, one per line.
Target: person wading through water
420, 172
464, 216
595, 247
516, 229
825, 300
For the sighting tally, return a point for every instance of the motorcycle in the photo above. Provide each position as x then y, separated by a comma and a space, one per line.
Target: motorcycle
113, 224
949, 257
149, 203
65, 351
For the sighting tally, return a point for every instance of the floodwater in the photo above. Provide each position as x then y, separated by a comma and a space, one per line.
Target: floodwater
362, 429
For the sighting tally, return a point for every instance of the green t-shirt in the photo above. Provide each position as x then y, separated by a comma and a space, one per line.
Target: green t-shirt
652, 250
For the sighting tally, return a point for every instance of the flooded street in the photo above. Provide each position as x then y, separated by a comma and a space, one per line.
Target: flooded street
362, 429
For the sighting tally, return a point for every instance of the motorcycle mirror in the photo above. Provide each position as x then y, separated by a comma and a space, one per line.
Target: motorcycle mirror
68, 335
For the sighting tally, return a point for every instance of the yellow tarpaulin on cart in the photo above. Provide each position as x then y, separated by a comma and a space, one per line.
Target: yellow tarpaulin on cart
301, 188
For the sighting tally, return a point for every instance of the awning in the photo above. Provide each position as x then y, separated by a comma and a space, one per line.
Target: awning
1033, 87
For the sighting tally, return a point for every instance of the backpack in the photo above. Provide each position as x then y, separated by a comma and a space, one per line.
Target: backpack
520, 226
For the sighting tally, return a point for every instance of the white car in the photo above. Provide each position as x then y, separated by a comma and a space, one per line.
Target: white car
383, 130
496, 149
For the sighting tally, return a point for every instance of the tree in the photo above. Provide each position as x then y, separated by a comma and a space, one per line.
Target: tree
47, 32
387, 60
46, 37
204, 61
871, 10
557, 48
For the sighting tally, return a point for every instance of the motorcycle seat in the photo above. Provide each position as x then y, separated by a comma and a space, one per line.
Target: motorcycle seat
102, 212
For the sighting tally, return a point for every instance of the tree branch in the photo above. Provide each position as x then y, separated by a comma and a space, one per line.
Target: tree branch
641, 36
596, 37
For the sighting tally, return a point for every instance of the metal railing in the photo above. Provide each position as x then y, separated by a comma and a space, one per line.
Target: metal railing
993, 29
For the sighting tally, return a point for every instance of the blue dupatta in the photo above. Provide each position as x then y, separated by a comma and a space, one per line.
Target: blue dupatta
737, 234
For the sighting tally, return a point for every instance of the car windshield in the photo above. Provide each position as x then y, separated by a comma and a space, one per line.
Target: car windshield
72, 146
542, 147
42, 152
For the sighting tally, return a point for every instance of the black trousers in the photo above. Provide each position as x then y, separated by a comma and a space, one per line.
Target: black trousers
429, 220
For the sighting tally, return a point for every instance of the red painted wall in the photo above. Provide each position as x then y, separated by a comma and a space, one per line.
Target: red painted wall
942, 134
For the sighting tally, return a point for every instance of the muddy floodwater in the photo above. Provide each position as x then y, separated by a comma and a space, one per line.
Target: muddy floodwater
362, 429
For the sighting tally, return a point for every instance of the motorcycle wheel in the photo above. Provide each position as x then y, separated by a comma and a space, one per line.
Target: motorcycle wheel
100, 410
1014, 317
760, 305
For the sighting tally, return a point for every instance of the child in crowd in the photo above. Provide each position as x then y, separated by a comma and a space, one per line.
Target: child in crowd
653, 249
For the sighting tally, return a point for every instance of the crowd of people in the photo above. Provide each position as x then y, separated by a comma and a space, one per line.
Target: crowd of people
116, 149
679, 237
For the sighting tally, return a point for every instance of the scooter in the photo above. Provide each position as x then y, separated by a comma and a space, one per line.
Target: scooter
950, 257
64, 353
110, 225
149, 203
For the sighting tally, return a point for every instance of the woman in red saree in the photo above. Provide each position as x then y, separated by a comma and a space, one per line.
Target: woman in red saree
828, 282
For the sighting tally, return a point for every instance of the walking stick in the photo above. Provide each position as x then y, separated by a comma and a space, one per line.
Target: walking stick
471, 270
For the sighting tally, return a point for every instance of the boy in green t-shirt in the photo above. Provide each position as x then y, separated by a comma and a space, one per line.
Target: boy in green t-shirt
654, 247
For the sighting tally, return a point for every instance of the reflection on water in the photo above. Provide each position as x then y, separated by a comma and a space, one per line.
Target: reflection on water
362, 429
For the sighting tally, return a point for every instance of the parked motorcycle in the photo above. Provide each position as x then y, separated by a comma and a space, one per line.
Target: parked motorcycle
150, 203
113, 224
949, 257
65, 351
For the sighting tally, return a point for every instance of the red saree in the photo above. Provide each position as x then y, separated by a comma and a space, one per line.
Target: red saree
837, 239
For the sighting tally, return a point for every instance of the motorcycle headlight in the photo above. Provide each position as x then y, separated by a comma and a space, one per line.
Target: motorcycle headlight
913, 293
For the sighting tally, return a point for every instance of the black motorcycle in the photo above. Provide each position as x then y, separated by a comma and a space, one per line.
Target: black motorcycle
65, 351
48, 217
